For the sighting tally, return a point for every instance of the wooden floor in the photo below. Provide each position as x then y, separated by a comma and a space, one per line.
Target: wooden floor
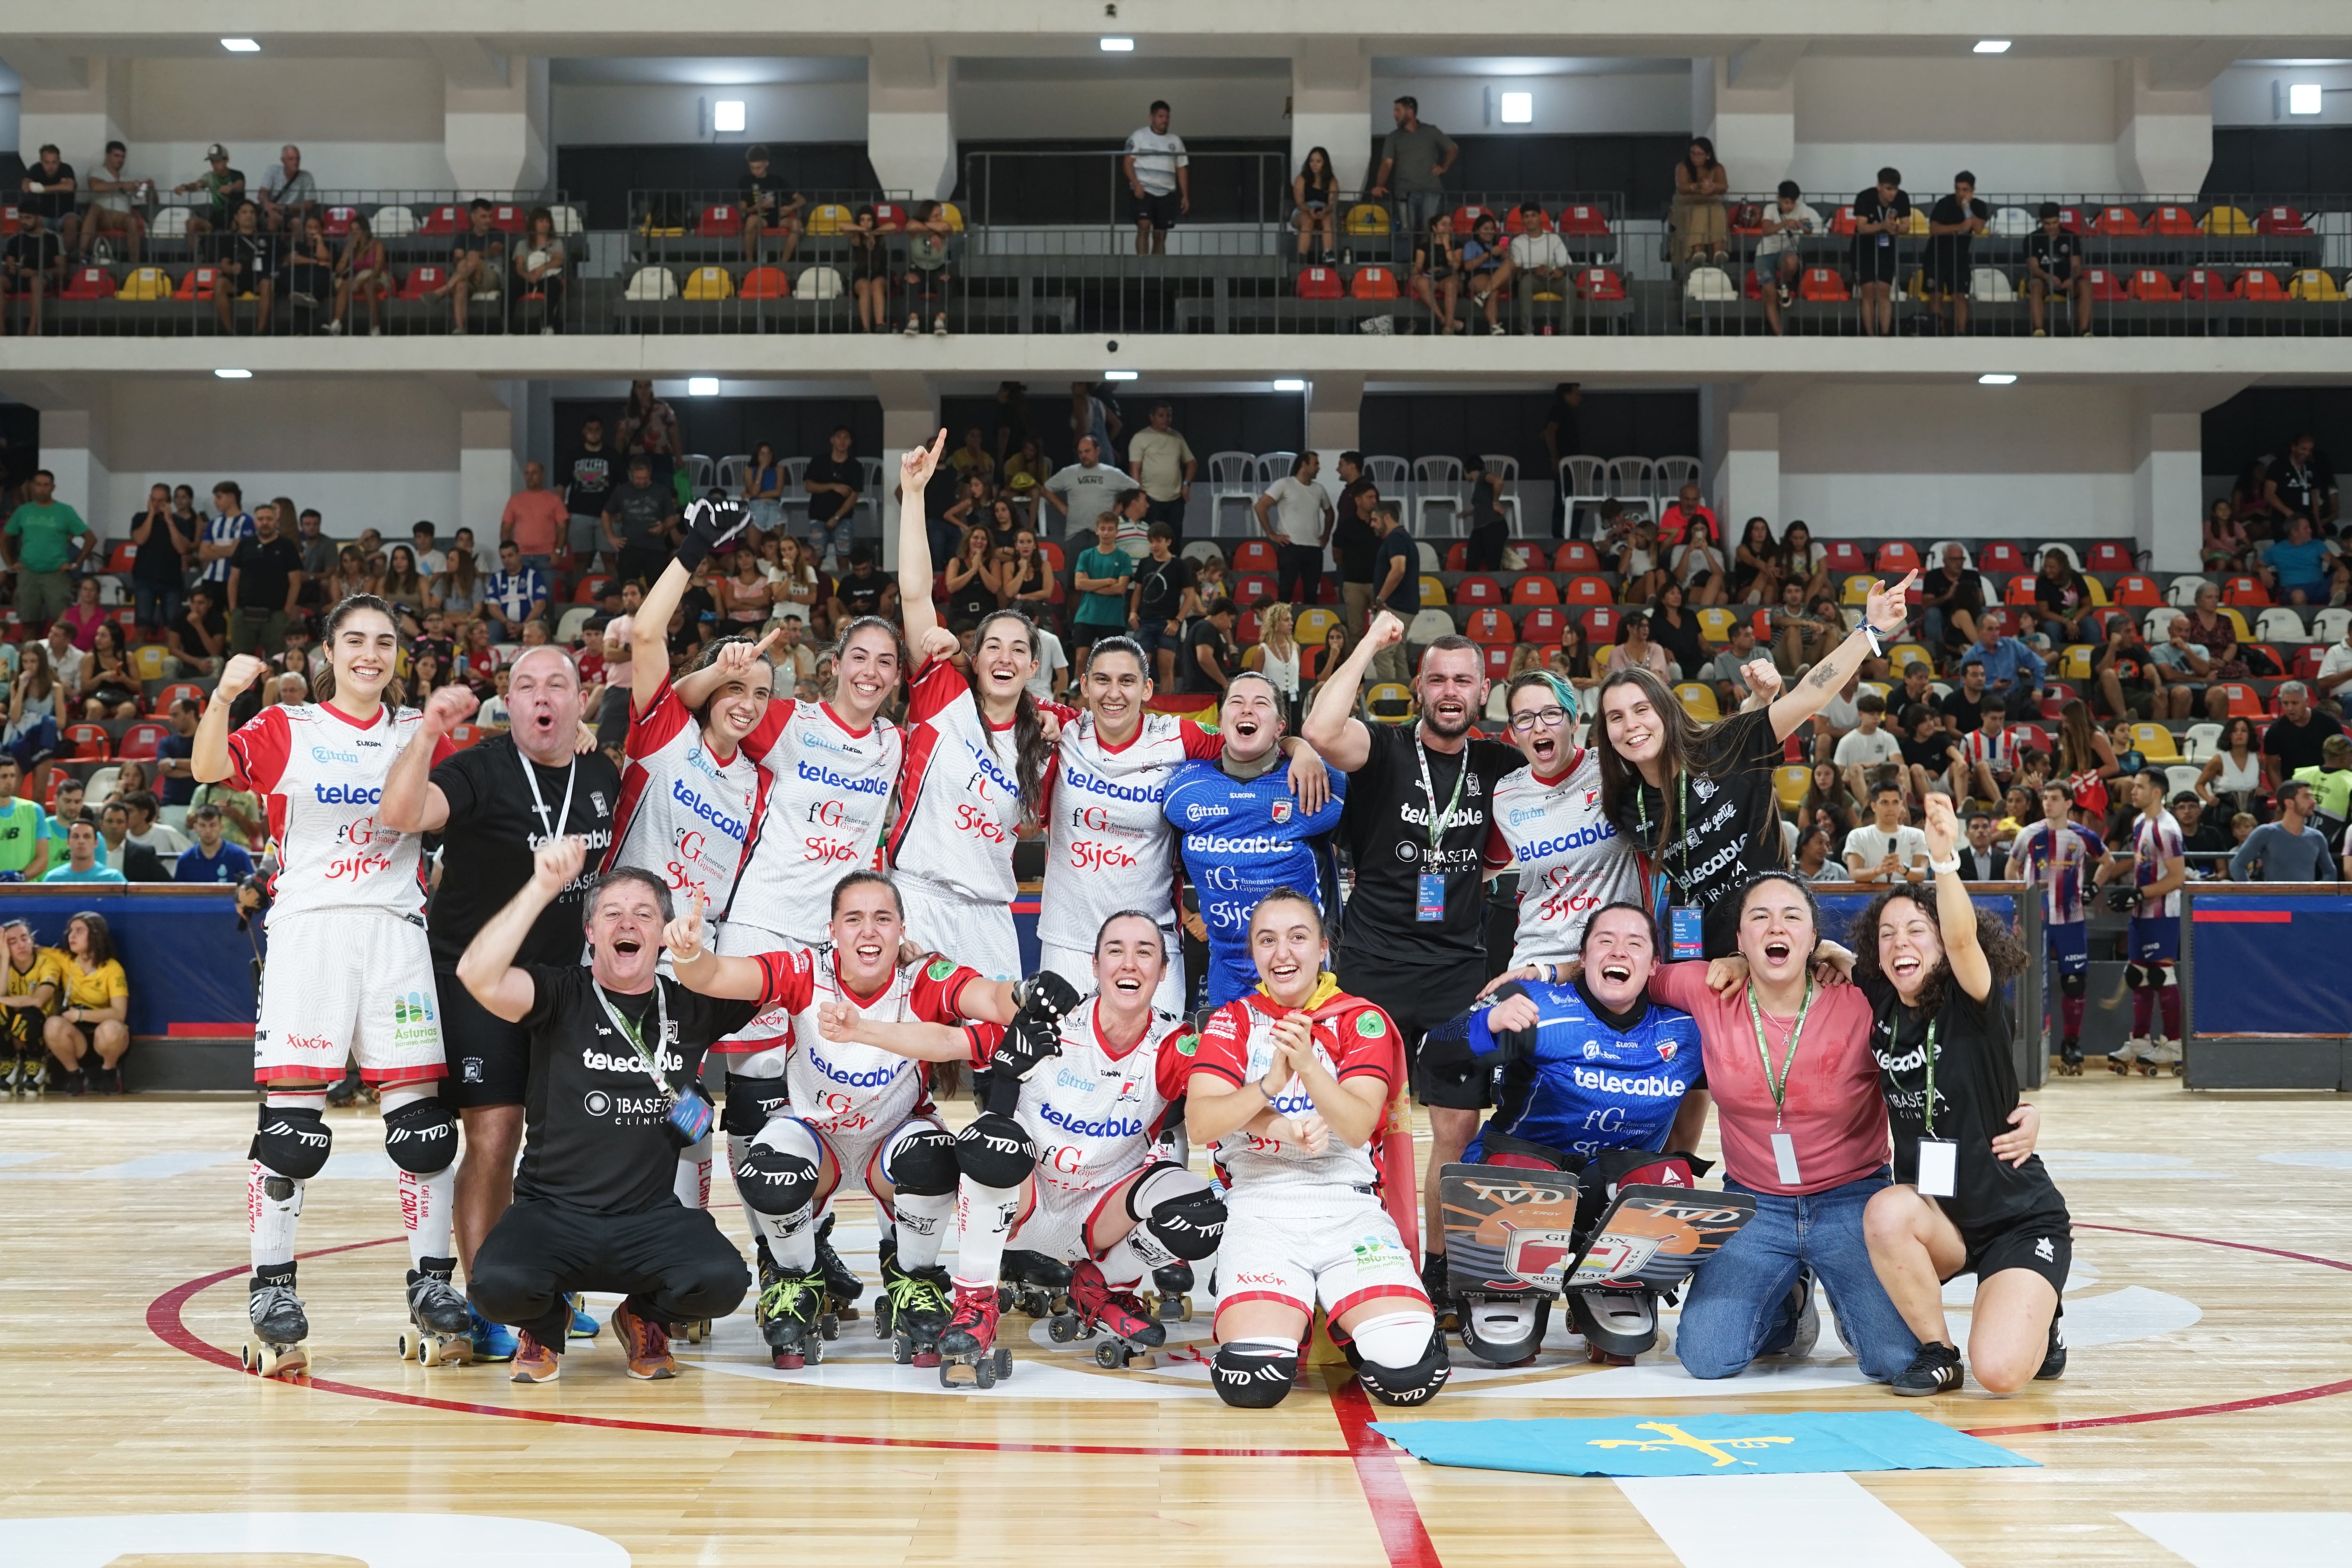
2212, 1375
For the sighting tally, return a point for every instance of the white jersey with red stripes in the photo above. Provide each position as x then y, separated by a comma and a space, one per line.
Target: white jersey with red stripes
687, 813
850, 1092
1352, 1037
1571, 859
960, 793
2155, 841
828, 804
1108, 845
321, 773
1093, 1111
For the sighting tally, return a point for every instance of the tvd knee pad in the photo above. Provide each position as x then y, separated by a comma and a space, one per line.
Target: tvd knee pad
751, 1101
1189, 1224
2072, 985
1253, 1376
995, 1151
923, 1165
776, 1181
421, 1137
292, 1141
1414, 1383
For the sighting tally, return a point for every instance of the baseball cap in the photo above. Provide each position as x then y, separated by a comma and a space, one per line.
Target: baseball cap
216, 151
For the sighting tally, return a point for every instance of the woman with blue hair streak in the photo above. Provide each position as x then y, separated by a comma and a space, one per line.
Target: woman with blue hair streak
1548, 826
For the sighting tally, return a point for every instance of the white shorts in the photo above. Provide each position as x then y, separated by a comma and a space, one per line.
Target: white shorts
348, 985
1078, 967
772, 1026
977, 935
1303, 1247
1057, 1223
860, 1157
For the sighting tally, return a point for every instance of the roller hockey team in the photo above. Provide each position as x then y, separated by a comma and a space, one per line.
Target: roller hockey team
820, 895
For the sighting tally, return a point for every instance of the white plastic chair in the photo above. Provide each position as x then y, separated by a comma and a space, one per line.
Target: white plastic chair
1273, 468
817, 283
2012, 223
574, 621
700, 472
2157, 626
2279, 623
1389, 475
2328, 626
1633, 482
2199, 741
1425, 556
2182, 590
171, 223
392, 221
2180, 776
728, 475
567, 222
1200, 550
1438, 481
1507, 467
871, 496
1989, 286
651, 282
1428, 625
1710, 286
1934, 555
1233, 477
1582, 479
1669, 475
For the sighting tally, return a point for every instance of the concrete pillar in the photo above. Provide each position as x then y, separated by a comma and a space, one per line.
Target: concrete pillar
495, 125
73, 448
488, 471
1331, 108
910, 118
1747, 481
910, 415
1747, 105
2169, 489
84, 105
2164, 134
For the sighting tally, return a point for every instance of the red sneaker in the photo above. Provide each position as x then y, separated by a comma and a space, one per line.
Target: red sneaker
533, 1362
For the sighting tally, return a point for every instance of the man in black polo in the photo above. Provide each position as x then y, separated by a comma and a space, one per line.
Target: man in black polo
265, 585
640, 521
1953, 223
1412, 936
615, 1053
494, 805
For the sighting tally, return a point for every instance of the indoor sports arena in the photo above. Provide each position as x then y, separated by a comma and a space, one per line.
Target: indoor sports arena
866, 739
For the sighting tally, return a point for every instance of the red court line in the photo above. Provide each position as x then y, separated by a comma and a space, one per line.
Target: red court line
2245, 916
1403, 1535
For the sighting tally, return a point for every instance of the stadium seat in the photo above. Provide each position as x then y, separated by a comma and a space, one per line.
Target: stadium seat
1465, 219
2307, 660
2074, 661
830, 218
2245, 591
2206, 284
2070, 220
1254, 555
336, 222
765, 283
950, 214
1428, 625
2312, 284
1312, 625
2011, 223
392, 221
1373, 283
144, 285
443, 220
2022, 736
592, 588
2227, 221
2199, 741
1542, 623
423, 280
1491, 625
1600, 623
1599, 283
1248, 629
1515, 222
2282, 221
819, 283
2181, 592
2116, 223
2157, 625
196, 283
2278, 623
1698, 700
1791, 782
2329, 625
2021, 589
1535, 588
1582, 219
1367, 218
1497, 660
1709, 285
140, 741
2153, 284
2238, 622
1898, 555
1589, 591
651, 282
1254, 588
707, 283
1320, 283
2107, 287
1576, 555
1390, 703
1823, 285
1715, 624
1902, 654
1856, 589
171, 223
2106, 555
1842, 222
2170, 220
1480, 589
176, 690
148, 661
2244, 704
2137, 590
2259, 285
1432, 592
2000, 556
86, 743
1839, 557
1052, 552
1457, 556
890, 217
508, 218
1761, 623
89, 283
720, 222
1989, 286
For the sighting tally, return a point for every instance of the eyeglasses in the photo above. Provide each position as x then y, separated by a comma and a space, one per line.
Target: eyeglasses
1549, 718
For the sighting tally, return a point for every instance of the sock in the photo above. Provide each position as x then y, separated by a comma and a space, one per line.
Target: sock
693, 1176
427, 1203
2168, 1001
2070, 1013
920, 1219
1125, 1263
1267, 1345
985, 1217
791, 1238
272, 1220
2143, 1005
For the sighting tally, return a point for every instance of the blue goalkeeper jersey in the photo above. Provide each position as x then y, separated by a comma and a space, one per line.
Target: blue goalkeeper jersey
1588, 1087
1242, 839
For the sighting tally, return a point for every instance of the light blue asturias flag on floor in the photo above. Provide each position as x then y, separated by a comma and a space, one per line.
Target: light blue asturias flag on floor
1805, 1442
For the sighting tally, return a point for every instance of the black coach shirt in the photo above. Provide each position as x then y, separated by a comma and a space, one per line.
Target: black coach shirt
265, 571
2060, 253
592, 1118
1385, 829
1732, 828
494, 830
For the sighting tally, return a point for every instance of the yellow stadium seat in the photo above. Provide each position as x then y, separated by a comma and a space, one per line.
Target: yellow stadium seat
2228, 220
145, 284
1715, 624
2098, 593
1915, 224
1390, 703
1366, 218
2246, 633
147, 661
1311, 626
2074, 663
830, 217
2313, 284
709, 283
1857, 589
1877, 689
952, 215
2155, 742
1698, 702
1432, 592
1901, 657
1790, 782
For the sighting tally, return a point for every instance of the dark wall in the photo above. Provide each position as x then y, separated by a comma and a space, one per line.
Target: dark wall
20, 442
2284, 162
718, 426
2264, 420
1640, 169
1239, 422
1234, 179
598, 180
1609, 425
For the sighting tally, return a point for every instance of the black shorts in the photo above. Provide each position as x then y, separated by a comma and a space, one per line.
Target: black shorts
1160, 212
1875, 263
2044, 1244
1946, 277
1416, 998
489, 1058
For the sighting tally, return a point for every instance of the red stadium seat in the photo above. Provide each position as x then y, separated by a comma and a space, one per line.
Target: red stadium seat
1491, 627
1516, 222
1254, 588
2070, 219
196, 283
1751, 287
1747, 218
720, 221
2206, 283
1600, 623
2307, 659
2244, 701
2106, 288
508, 219
1457, 556
2170, 220
1542, 623
2259, 285
1478, 590
2023, 735
1247, 629
1320, 283
2138, 591
1498, 659
2244, 591
1576, 555
1843, 221
1583, 219
1256, 555
1823, 286
141, 741
1843, 557
423, 280
443, 220
2021, 589
592, 588
336, 222
1589, 591
87, 742
1895, 555
177, 689
1600, 283
89, 283
2116, 222
2000, 556
2106, 555
765, 283
1535, 588
1052, 552
2282, 220
2153, 284
1465, 219
1373, 283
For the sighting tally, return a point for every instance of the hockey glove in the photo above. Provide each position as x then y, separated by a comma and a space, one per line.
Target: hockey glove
709, 525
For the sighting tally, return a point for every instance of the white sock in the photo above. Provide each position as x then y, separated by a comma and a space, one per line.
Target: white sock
427, 1203
272, 1221
1127, 1260
984, 1217
694, 1175
923, 1220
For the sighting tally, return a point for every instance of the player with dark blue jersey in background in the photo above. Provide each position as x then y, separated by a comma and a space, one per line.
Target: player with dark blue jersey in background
1243, 834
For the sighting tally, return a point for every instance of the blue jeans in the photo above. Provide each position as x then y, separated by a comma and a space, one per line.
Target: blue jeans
767, 516
1421, 209
153, 605
1738, 1297
834, 538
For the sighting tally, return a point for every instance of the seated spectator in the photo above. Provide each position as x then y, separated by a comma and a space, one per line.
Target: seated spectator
1886, 848
1952, 597
2288, 850
241, 817
1931, 754
2298, 568
1486, 270
1880, 213
794, 660
1801, 632
928, 236
1814, 860
1986, 760
1953, 223
1869, 747
2064, 597
1635, 649
115, 199
539, 263
212, 858
50, 190
1674, 627
2298, 738
309, 275
110, 688
477, 258
31, 267
1803, 560
1686, 508
1779, 253
1756, 566
2225, 543
1086, 491
249, 257
742, 598
199, 638
82, 863
288, 194
2128, 679
221, 188
768, 209
148, 831
1314, 203
94, 1007
24, 830
1828, 806
362, 271
869, 271
2198, 833
2331, 786
2054, 264
1982, 859
1436, 276
1572, 659
1539, 258
792, 582
82, 618
1025, 473
1209, 576
1026, 581
137, 862
1697, 565
516, 594
1640, 566
2232, 779
863, 590
1727, 670
2013, 672
1698, 223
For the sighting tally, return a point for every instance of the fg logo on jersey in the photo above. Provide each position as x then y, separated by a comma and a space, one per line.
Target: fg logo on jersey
1281, 811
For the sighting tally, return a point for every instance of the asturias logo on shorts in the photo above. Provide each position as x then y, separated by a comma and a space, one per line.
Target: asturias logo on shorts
413, 1022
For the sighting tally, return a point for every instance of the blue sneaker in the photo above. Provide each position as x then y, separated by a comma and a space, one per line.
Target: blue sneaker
492, 1342
583, 1323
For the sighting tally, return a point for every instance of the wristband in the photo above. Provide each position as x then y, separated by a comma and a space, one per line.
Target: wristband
1872, 633
1940, 866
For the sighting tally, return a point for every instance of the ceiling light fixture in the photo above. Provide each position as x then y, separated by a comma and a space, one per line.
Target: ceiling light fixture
1289, 383
234, 374
1995, 378
727, 115
1992, 46
1119, 46
702, 386
1519, 107
241, 46
2302, 98
1118, 376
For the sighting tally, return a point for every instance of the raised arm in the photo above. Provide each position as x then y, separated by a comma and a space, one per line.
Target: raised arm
487, 965
411, 802
733, 659
649, 635
1332, 727
1956, 912
915, 467
208, 753
1885, 612
700, 969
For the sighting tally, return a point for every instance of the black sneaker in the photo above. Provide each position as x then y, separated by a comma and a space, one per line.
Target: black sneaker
1799, 1326
2054, 1361
102, 1080
76, 1085
1441, 1294
114, 1081
1935, 1370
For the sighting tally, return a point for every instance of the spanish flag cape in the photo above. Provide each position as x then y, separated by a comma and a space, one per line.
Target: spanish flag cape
1334, 1014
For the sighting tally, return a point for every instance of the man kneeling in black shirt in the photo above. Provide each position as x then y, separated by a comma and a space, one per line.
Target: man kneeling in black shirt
605, 1112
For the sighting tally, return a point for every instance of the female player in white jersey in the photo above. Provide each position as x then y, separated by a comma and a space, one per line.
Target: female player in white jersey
354, 977
1299, 1085
1546, 825
1109, 845
692, 798
977, 752
1063, 1163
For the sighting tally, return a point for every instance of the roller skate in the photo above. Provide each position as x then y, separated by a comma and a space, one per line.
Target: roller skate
493, 1342
1441, 1295
2125, 1055
19, 1078
1095, 1308
584, 1321
842, 1285
912, 1311
2161, 1056
1033, 1282
278, 1326
346, 1090
791, 1316
1170, 1300
441, 1326
2069, 1058
971, 1340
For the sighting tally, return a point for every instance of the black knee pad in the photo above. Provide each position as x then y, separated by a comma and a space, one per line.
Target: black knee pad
2135, 977
292, 1141
1414, 1384
1189, 1224
995, 1151
2162, 975
775, 1181
2074, 984
421, 1137
1251, 1380
924, 1166
750, 1103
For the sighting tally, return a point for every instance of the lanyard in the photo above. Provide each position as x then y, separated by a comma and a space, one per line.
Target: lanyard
1779, 1086
636, 1034
1682, 817
1439, 822
538, 802
1928, 1105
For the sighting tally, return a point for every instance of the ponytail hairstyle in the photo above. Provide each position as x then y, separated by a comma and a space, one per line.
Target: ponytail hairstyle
322, 684
1795, 879
1122, 643
1032, 754
1291, 896
862, 878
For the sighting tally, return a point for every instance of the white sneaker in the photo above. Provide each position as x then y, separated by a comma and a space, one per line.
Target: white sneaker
334, 328
376, 332
940, 327
1496, 331
914, 325
2162, 1053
